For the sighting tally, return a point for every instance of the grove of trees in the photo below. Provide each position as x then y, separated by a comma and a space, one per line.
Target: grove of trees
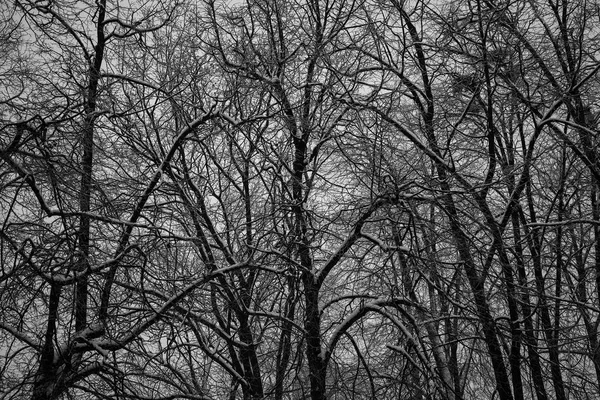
299, 199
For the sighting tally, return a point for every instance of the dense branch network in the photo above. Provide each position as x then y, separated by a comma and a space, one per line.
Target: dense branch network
279, 199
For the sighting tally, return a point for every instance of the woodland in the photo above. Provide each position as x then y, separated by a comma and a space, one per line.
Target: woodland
299, 199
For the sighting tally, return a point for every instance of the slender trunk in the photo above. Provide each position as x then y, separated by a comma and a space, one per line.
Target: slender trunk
432, 328
312, 325
47, 384
498, 247
530, 338
285, 346
533, 242
87, 161
477, 287
312, 322
249, 360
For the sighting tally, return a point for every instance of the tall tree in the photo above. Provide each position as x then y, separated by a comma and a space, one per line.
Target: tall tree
277, 199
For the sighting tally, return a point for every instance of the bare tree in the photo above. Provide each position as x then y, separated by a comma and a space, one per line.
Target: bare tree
277, 199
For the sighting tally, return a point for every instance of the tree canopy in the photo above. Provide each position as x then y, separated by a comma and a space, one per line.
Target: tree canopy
284, 199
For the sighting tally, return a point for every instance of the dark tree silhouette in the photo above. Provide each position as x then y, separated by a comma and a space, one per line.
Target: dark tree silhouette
276, 199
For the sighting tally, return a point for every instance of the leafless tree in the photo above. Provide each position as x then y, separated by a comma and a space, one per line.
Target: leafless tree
276, 199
